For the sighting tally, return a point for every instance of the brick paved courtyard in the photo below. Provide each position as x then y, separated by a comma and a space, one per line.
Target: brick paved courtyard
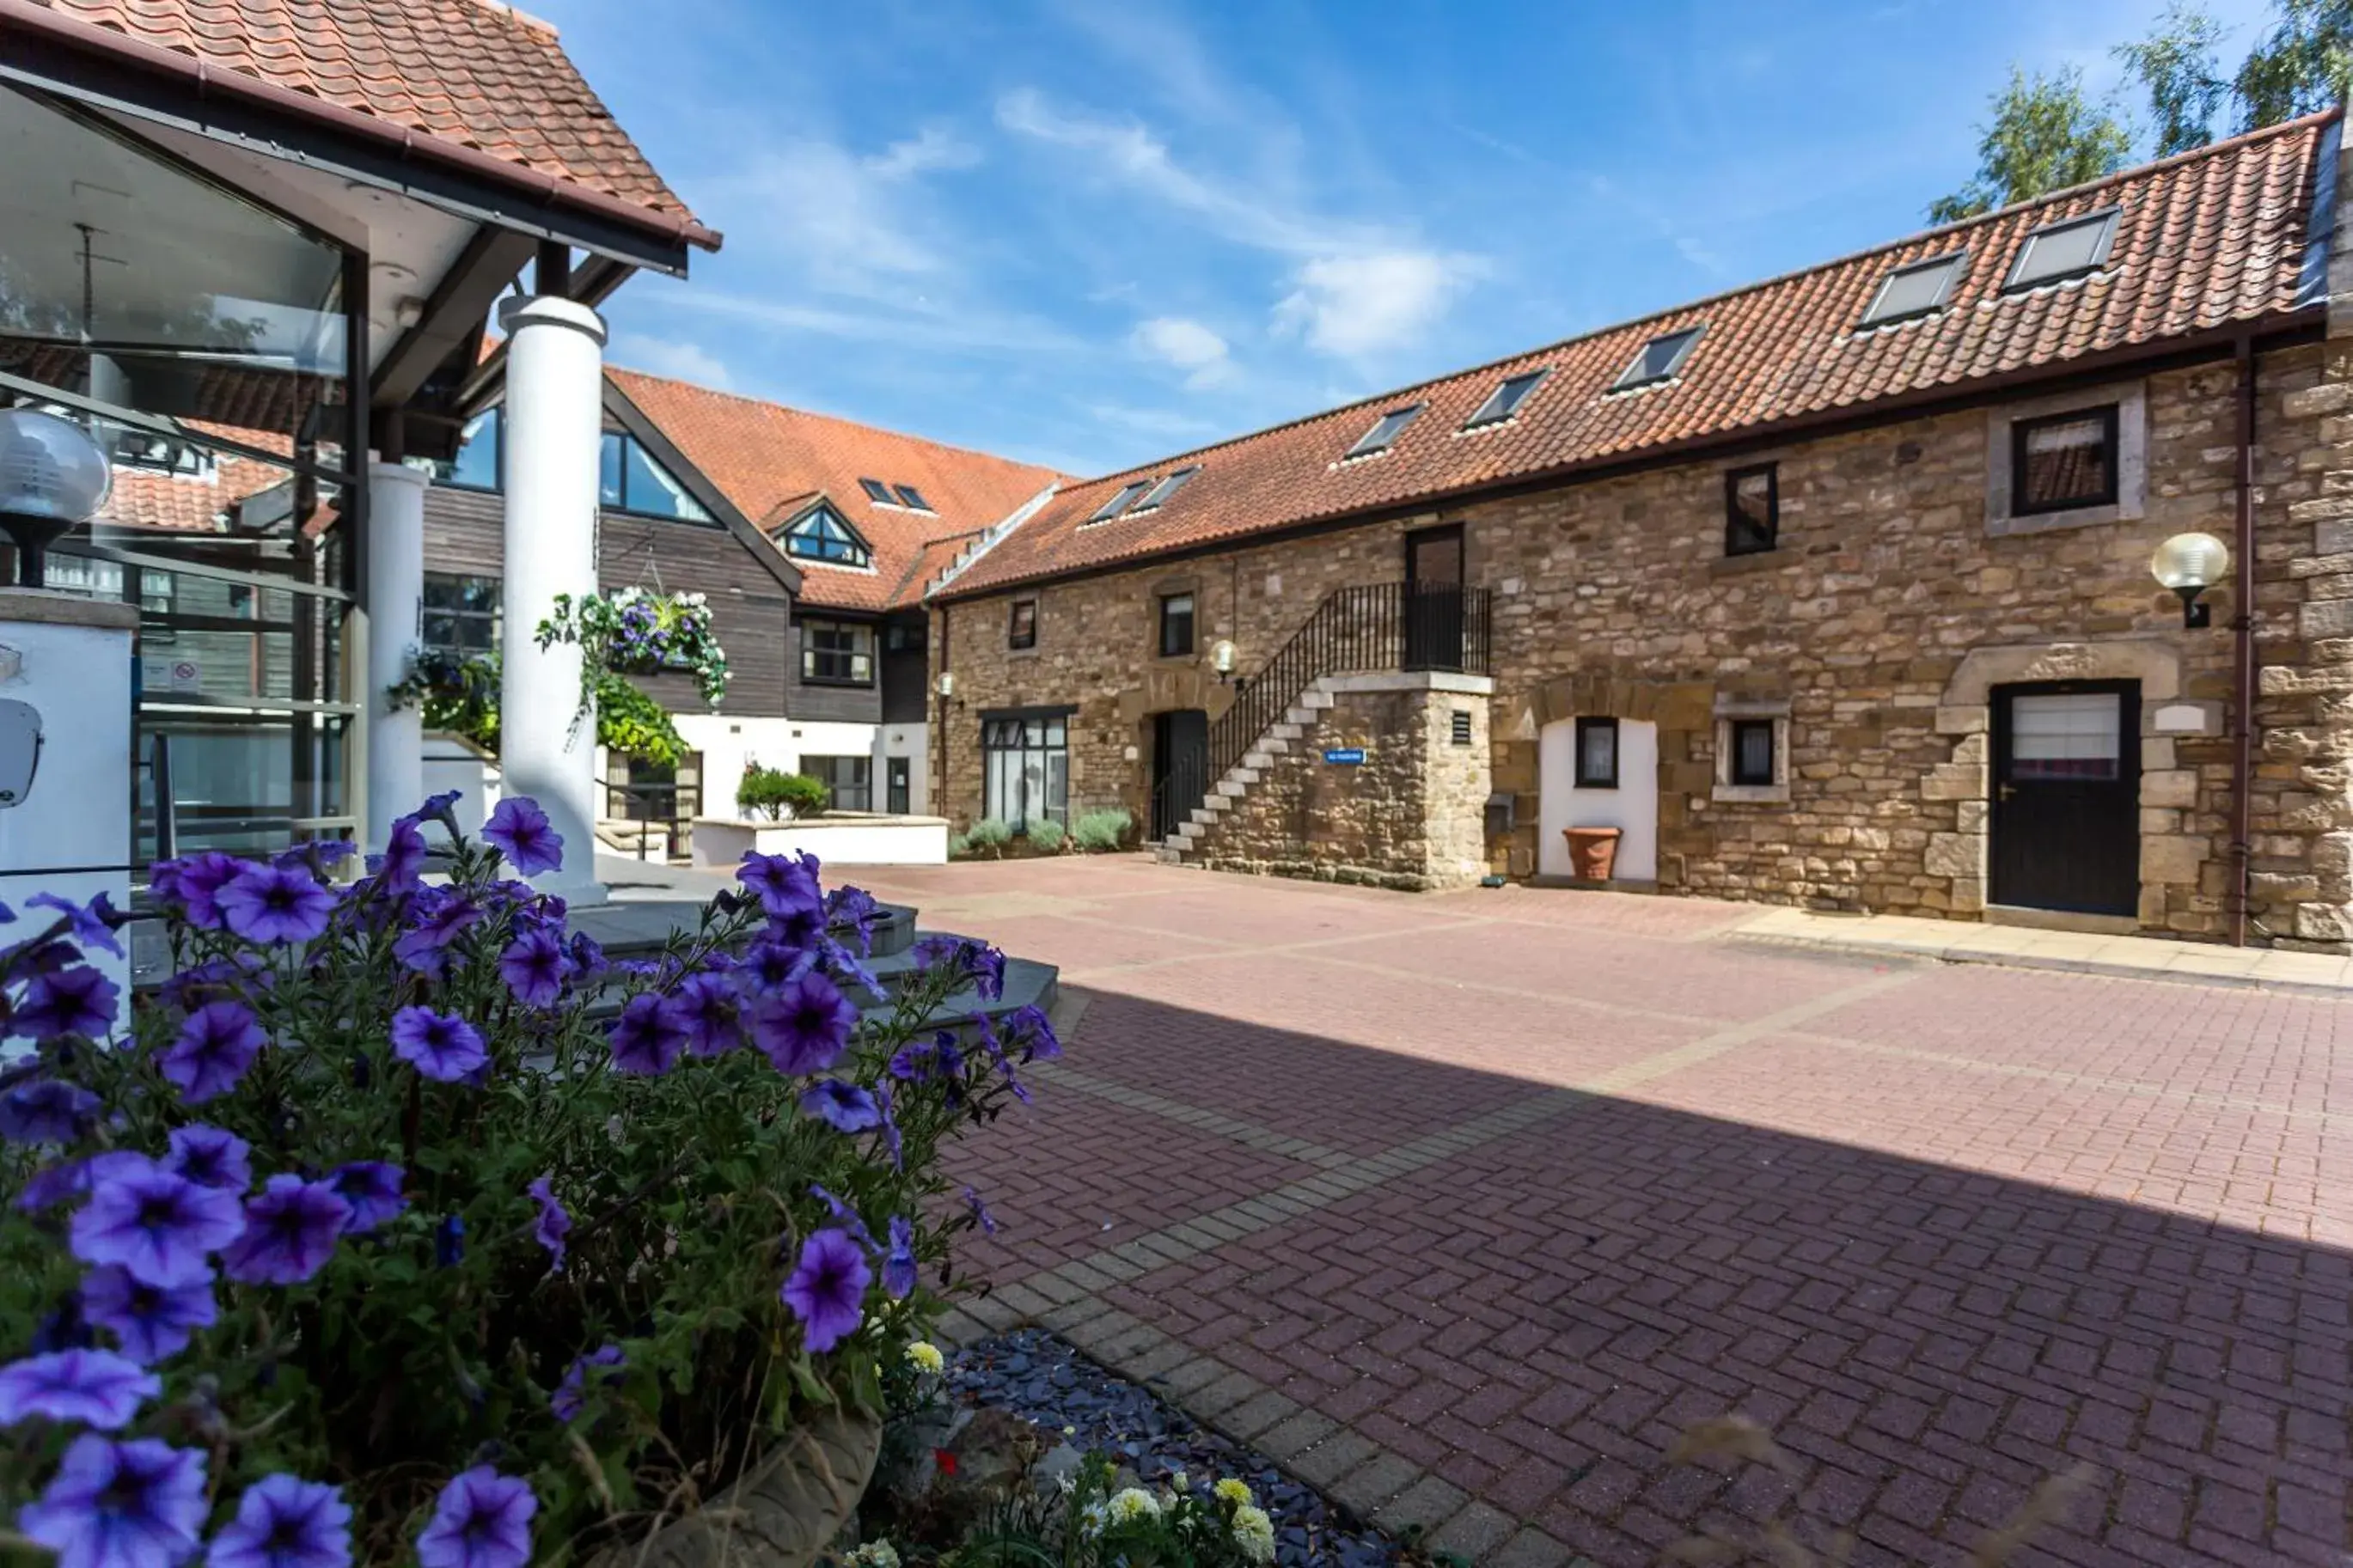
1463, 1206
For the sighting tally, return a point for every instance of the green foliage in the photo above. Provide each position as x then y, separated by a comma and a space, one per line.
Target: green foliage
2304, 63
1098, 1523
988, 834
1047, 835
2177, 67
2044, 135
461, 696
635, 725
772, 792
1102, 831
635, 631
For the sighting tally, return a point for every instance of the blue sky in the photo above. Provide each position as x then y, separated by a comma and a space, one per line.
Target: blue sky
1089, 234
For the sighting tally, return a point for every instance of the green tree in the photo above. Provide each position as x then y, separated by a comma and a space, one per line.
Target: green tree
2044, 136
2304, 63
2179, 68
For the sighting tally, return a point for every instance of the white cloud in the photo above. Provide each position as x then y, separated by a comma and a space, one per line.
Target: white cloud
673, 357
1351, 306
933, 147
851, 220
1187, 345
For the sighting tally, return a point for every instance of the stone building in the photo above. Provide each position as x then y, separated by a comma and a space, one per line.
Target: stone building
1835, 590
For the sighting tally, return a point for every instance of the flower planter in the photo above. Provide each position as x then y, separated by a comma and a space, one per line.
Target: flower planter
1592, 852
836, 838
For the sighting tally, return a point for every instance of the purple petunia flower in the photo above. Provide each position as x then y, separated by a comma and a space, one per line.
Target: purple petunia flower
827, 1289
46, 1111
482, 1520
847, 970
449, 1241
291, 1230
93, 923
899, 1265
442, 1046
152, 1321
571, 1395
198, 885
121, 1505
804, 1027
846, 1107
710, 1010
438, 920
979, 1212
1030, 1032
845, 1217
73, 1001
210, 1157
787, 885
938, 1057
93, 1388
520, 831
798, 929
156, 1223
553, 1224
285, 1521
371, 1189
533, 966
769, 965
275, 903
587, 957
212, 1049
854, 909
978, 962
403, 858
648, 1036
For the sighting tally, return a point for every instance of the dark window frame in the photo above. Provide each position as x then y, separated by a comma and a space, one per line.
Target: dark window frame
1633, 376
811, 653
1128, 495
876, 492
1367, 447
1164, 490
494, 617
1956, 264
2017, 281
628, 438
1018, 636
1586, 780
863, 788
2111, 450
1162, 621
1009, 731
1736, 522
1736, 770
1496, 410
913, 500
860, 556
445, 471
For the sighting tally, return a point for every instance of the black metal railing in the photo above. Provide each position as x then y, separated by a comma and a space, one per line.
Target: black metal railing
1370, 626
669, 807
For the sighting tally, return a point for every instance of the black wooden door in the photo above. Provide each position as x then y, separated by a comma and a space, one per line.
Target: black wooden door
1180, 767
1433, 599
2066, 796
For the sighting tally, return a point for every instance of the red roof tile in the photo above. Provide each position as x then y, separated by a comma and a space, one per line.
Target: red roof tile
472, 74
194, 503
2205, 240
772, 461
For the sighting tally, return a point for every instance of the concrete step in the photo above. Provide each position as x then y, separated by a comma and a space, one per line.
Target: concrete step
1289, 729
1274, 745
1219, 803
1244, 774
1314, 700
1228, 789
1257, 761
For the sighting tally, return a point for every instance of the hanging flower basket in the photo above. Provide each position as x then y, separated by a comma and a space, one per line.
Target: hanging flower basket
638, 632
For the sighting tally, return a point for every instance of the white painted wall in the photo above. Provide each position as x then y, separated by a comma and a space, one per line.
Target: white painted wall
1632, 807
857, 839
727, 743
912, 742
446, 763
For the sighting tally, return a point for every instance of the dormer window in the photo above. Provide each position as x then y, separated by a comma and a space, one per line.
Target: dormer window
913, 498
877, 492
1661, 359
1916, 289
1158, 495
1385, 431
1506, 400
823, 536
1121, 502
2067, 249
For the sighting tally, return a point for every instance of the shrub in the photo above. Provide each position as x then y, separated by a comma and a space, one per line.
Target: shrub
1047, 835
990, 834
1101, 831
461, 696
475, 1244
771, 792
635, 725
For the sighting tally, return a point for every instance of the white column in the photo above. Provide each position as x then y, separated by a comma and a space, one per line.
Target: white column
547, 749
396, 599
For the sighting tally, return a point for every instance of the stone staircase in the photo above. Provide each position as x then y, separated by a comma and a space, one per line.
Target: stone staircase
1279, 739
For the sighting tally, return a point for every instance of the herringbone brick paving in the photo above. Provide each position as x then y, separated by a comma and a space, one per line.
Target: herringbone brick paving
1946, 1231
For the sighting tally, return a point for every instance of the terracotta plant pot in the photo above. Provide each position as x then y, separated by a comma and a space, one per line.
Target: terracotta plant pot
1592, 852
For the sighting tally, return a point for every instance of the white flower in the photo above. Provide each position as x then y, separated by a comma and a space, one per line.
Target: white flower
1254, 1532
924, 1357
1175, 1480
876, 1554
1131, 1504
1234, 1491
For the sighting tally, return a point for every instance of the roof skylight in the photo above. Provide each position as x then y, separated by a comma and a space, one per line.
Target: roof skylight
1660, 359
1119, 503
1506, 400
1158, 495
2065, 249
1917, 288
913, 497
877, 492
1385, 431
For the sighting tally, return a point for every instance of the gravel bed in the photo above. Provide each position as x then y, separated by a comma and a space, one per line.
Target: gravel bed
1036, 1375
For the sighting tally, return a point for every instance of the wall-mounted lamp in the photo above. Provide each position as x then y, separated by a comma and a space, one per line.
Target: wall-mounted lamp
52, 477
2190, 563
1221, 659
947, 683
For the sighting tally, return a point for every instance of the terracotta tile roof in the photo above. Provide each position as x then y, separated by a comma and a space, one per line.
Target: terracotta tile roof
469, 74
773, 462
2205, 240
194, 503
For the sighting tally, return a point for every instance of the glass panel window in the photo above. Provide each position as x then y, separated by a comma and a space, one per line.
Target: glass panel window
462, 614
1506, 400
1752, 511
1596, 754
628, 480
475, 465
2063, 460
1660, 360
823, 536
876, 492
1120, 499
1158, 495
1916, 289
1025, 770
850, 780
910, 496
2065, 250
1752, 752
1175, 626
1023, 632
837, 653
2074, 735
1385, 431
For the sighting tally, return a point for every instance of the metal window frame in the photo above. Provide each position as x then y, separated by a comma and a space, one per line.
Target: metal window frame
1739, 775
1018, 637
1494, 411
1736, 521
808, 652
1128, 495
2111, 448
1585, 723
1631, 376
1164, 489
877, 492
2109, 216
1957, 265
1192, 623
1367, 446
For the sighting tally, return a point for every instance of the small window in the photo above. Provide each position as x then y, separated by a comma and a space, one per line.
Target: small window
1462, 726
1506, 400
848, 780
1385, 431
1752, 752
1596, 754
1158, 494
822, 536
1175, 626
476, 465
905, 637
2063, 460
1119, 503
837, 653
1661, 359
1916, 289
629, 479
2065, 249
1752, 511
462, 613
1023, 630
910, 496
877, 492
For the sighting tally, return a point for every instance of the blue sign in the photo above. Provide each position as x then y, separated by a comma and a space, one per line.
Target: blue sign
1348, 756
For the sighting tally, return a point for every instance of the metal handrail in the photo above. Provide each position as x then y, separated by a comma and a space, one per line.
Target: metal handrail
672, 822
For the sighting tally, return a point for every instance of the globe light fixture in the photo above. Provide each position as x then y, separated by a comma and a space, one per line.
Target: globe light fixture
1221, 658
53, 477
2190, 563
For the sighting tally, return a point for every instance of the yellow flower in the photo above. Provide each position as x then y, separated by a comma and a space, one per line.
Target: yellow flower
1234, 1491
925, 1356
1253, 1533
1135, 1503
